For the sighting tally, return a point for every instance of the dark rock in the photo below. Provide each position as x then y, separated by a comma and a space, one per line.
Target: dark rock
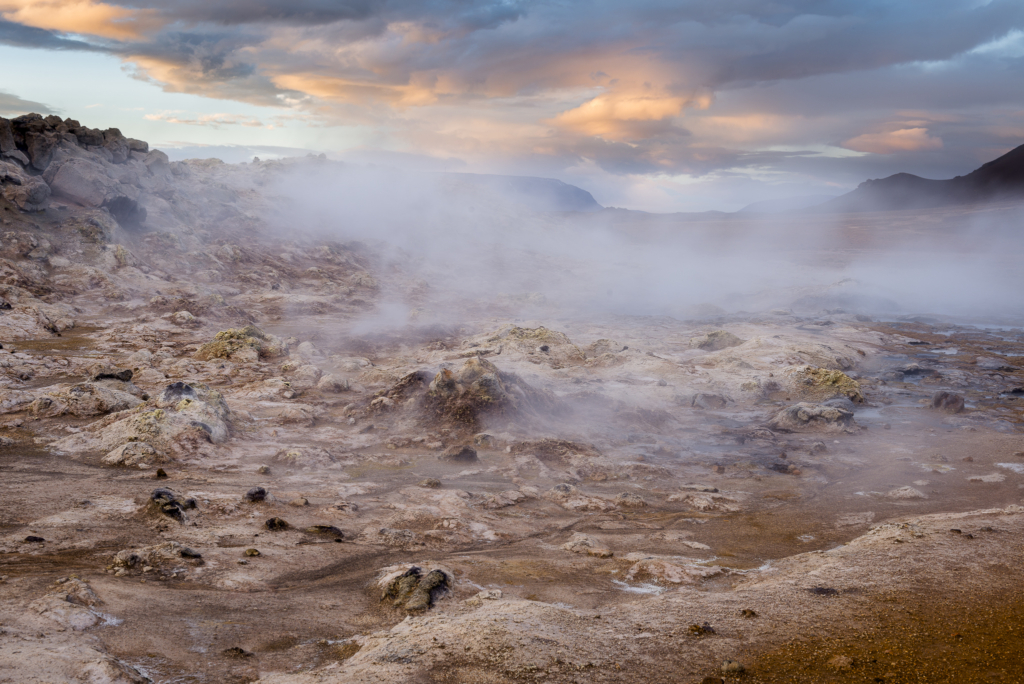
748, 613
430, 483
177, 391
6, 136
236, 652
459, 454
948, 402
186, 552
701, 630
329, 530
276, 524
256, 494
414, 591
161, 474
110, 373
35, 539
813, 417
39, 147
824, 591
166, 502
252, 553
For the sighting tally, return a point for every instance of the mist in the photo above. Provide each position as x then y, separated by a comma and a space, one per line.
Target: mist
477, 245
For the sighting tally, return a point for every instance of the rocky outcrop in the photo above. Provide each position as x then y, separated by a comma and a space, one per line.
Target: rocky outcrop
813, 417
48, 156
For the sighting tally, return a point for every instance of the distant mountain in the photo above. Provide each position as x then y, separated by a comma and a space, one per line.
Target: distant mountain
780, 206
538, 194
1000, 179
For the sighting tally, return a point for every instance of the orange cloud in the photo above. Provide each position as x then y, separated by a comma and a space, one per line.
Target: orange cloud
80, 16
902, 140
614, 116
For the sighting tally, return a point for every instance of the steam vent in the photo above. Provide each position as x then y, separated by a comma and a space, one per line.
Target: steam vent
361, 379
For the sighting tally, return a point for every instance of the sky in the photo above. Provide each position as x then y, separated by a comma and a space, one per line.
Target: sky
656, 105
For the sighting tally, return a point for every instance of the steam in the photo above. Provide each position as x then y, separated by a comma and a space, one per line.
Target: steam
477, 246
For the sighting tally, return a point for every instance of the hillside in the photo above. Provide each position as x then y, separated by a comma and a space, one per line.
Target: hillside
999, 180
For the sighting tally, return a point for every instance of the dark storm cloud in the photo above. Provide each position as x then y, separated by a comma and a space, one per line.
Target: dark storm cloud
12, 104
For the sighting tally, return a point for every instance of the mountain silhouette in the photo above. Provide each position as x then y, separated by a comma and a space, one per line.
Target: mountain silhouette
1001, 179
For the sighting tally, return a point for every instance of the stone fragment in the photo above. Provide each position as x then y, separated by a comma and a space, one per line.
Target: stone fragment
459, 454
804, 417
715, 340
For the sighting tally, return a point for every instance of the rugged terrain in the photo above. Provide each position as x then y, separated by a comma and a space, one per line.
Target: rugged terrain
222, 459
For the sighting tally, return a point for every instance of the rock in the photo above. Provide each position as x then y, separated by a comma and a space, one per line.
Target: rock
818, 448
132, 454
712, 680
6, 136
40, 146
459, 454
105, 372
332, 383
86, 183
182, 318
905, 493
409, 588
276, 524
630, 500
841, 663
665, 570
820, 384
732, 667
485, 595
306, 377
948, 402
32, 539
163, 501
708, 401
69, 604
813, 418
83, 400
299, 502
328, 530
152, 556
430, 483
252, 553
256, 494
715, 341
116, 144
30, 194
246, 344
479, 388
584, 544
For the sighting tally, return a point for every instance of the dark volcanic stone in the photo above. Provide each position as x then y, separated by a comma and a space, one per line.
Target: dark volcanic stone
32, 538
276, 524
256, 494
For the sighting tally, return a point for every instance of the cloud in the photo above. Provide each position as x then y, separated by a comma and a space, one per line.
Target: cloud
80, 17
901, 140
650, 88
12, 104
212, 120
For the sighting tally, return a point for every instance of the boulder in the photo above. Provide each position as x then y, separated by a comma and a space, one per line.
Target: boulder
28, 193
132, 454
6, 136
715, 341
117, 144
409, 587
948, 402
813, 418
479, 388
459, 454
87, 183
83, 400
583, 544
246, 344
39, 146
